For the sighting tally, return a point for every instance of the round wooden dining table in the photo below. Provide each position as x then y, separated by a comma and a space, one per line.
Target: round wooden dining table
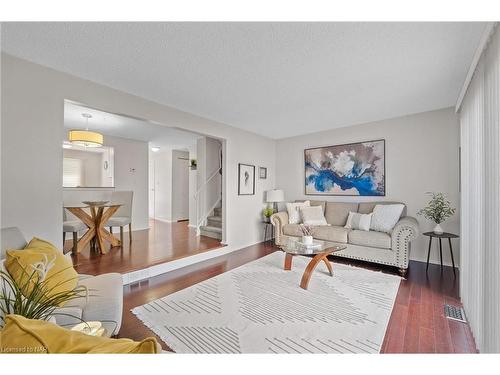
95, 217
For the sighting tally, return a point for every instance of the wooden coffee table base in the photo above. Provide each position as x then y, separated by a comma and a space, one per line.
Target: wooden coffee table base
310, 267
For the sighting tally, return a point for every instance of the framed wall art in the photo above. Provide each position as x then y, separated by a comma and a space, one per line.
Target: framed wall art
246, 179
348, 169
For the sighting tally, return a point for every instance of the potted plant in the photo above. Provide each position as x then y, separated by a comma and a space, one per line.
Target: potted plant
437, 210
31, 296
267, 212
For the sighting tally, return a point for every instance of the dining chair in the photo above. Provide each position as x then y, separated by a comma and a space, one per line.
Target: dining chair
123, 216
73, 226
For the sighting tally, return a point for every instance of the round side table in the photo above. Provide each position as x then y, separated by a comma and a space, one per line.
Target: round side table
444, 235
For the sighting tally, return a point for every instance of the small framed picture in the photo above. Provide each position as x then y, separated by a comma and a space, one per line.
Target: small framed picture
262, 173
246, 179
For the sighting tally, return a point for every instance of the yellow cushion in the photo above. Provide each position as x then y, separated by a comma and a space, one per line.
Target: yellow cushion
21, 335
61, 277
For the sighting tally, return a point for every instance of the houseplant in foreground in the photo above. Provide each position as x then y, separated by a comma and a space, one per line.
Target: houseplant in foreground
437, 210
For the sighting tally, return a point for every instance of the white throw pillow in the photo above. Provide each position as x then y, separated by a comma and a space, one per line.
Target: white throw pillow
313, 215
358, 221
386, 216
294, 211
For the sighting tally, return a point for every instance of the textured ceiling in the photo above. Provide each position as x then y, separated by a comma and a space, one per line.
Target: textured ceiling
274, 79
127, 127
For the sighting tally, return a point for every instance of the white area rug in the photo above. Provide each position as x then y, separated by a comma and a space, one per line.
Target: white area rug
260, 308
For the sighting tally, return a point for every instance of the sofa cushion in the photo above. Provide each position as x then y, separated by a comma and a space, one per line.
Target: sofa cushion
367, 207
336, 213
370, 239
292, 230
330, 233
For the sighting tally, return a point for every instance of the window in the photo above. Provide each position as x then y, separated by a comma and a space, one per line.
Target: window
72, 172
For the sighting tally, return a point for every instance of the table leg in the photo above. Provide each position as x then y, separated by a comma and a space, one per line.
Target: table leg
265, 233
441, 254
288, 262
310, 268
85, 239
428, 254
451, 253
328, 265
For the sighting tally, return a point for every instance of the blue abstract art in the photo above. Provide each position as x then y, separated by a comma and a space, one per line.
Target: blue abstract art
350, 169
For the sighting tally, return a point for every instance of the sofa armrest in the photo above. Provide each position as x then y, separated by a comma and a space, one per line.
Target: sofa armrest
403, 233
279, 219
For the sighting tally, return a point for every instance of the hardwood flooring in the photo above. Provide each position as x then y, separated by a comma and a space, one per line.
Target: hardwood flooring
162, 243
417, 323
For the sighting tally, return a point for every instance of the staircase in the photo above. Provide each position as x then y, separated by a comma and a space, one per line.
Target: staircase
214, 225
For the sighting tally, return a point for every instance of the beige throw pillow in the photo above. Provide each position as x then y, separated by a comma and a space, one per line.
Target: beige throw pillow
313, 215
358, 221
294, 211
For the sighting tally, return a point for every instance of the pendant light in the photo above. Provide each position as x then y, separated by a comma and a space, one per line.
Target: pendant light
85, 137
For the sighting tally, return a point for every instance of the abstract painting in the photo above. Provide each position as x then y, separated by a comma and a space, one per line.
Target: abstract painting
246, 179
350, 169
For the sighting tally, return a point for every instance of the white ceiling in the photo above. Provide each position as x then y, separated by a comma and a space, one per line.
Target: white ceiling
127, 127
275, 79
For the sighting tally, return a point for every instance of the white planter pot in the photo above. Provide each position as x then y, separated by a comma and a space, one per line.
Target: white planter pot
438, 229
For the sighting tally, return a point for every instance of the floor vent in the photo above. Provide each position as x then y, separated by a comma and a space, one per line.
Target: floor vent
455, 313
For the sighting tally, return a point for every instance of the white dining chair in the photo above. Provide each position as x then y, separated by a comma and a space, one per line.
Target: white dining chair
73, 226
123, 215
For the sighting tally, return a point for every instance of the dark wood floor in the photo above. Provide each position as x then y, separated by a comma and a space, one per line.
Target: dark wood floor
162, 243
417, 323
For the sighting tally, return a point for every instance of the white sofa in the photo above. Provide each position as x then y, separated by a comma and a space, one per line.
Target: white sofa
104, 300
389, 249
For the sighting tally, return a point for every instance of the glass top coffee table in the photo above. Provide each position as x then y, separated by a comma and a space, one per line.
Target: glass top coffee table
320, 250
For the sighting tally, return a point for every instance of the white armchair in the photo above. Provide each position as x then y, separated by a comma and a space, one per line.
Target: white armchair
104, 300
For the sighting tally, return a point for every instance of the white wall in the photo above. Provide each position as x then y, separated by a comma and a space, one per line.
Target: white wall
131, 173
180, 185
32, 114
422, 153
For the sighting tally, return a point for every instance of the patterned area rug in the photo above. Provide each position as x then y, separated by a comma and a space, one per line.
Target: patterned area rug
260, 308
